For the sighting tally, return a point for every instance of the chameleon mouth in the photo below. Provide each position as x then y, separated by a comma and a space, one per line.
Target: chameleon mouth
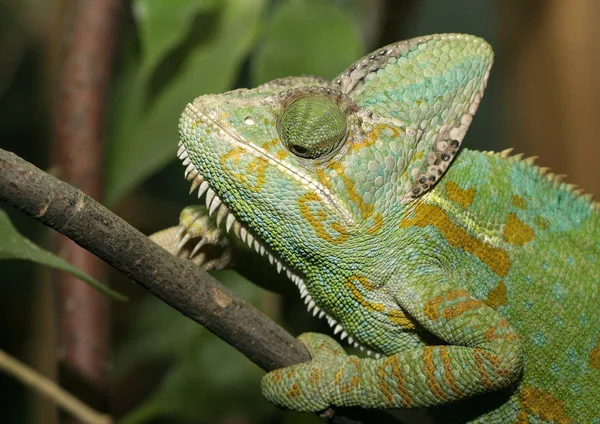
214, 204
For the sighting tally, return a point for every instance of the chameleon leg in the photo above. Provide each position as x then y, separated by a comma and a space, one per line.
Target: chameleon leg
482, 354
198, 238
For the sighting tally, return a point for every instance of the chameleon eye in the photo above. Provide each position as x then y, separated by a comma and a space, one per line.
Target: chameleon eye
312, 126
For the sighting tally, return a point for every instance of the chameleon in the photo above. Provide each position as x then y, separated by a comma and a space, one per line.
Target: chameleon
471, 279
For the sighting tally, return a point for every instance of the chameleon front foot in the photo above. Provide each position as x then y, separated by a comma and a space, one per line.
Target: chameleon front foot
197, 238
310, 386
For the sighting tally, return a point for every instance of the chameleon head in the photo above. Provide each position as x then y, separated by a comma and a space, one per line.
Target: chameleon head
319, 172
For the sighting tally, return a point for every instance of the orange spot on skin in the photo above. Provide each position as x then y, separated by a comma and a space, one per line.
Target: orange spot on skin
448, 376
423, 215
451, 305
595, 357
270, 144
377, 224
277, 375
350, 284
429, 367
294, 392
317, 220
257, 166
355, 380
281, 154
498, 296
315, 375
501, 331
386, 380
518, 202
399, 318
516, 232
464, 198
481, 357
543, 405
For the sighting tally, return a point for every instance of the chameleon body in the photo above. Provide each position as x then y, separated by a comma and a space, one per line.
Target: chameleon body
475, 285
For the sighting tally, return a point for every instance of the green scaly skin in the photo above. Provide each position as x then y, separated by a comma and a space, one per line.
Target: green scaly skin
477, 282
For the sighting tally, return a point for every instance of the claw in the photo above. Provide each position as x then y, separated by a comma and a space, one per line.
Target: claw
182, 243
198, 246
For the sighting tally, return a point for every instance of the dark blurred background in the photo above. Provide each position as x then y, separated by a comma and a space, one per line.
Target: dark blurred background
149, 364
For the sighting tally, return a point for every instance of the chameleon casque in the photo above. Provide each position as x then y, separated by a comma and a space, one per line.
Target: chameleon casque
473, 277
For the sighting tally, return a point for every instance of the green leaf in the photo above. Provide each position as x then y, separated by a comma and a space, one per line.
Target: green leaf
306, 37
146, 143
163, 25
14, 246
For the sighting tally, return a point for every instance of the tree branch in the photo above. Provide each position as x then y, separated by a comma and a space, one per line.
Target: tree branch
178, 282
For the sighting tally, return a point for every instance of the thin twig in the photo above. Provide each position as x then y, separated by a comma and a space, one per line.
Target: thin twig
49, 388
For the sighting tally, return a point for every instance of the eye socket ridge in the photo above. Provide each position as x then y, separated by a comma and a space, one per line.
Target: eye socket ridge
312, 125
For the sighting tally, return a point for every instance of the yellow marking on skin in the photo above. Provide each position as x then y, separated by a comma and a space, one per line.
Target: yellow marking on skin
401, 319
541, 222
377, 224
464, 198
315, 376
277, 375
431, 310
294, 392
516, 232
448, 376
396, 316
337, 377
398, 378
518, 202
266, 121
355, 380
495, 258
365, 208
480, 356
451, 305
429, 367
270, 144
281, 154
324, 179
595, 357
256, 166
375, 134
358, 296
498, 296
492, 334
544, 405
461, 307
317, 221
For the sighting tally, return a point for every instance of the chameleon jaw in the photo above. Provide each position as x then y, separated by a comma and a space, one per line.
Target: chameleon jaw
215, 204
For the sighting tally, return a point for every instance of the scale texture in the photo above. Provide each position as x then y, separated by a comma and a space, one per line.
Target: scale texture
471, 278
